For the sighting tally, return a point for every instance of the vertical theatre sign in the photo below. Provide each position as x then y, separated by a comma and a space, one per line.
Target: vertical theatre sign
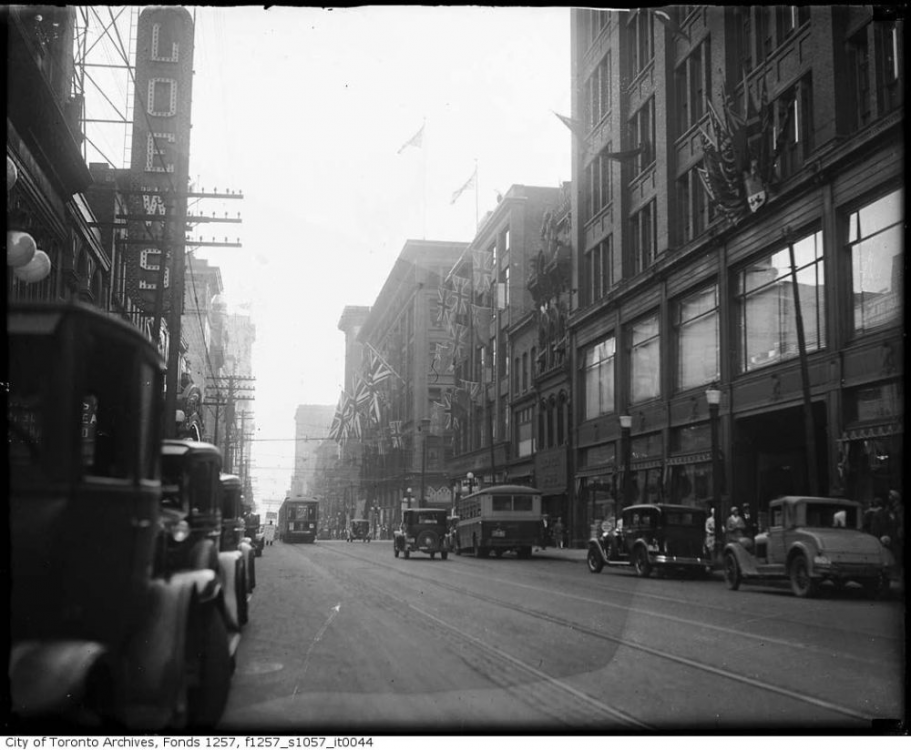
159, 159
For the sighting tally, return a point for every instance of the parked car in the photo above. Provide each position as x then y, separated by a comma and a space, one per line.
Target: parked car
99, 634
810, 540
234, 530
191, 511
654, 537
422, 530
255, 532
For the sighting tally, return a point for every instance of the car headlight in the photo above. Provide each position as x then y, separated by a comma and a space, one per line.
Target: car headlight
821, 560
180, 531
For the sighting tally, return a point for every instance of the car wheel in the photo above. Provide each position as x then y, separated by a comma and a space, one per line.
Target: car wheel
240, 594
875, 588
595, 563
732, 576
801, 583
444, 555
208, 697
641, 563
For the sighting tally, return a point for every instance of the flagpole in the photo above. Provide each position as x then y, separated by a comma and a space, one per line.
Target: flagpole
477, 190
380, 357
424, 167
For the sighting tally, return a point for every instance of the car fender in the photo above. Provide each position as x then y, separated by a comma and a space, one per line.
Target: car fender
246, 549
594, 544
801, 548
49, 678
227, 563
745, 560
154, 657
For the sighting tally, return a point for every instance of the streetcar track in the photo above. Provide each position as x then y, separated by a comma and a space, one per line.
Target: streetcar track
546, 695
654, 652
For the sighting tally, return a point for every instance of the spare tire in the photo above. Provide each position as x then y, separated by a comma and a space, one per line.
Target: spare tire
428, 538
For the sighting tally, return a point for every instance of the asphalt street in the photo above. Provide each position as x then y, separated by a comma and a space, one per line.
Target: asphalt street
346, 637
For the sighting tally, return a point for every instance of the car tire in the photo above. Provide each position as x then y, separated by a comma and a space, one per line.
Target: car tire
595, 563
732, 575
802, 584
208, 698
875, 588
641, 564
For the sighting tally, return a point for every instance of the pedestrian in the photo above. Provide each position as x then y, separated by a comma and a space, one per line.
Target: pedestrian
558, 532
710, 532
735, 527
749, 530
269, 532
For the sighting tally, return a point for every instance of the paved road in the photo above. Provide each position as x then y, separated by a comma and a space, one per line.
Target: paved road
345, 637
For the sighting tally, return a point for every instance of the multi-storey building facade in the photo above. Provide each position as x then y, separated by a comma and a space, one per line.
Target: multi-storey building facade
738, 189
47, 178
405, 450
492, 439
311, 425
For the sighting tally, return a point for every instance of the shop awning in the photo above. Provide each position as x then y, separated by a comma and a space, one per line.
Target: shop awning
871, 433
690, 458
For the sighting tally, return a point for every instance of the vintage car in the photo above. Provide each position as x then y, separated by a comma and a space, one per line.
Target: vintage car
255, 532
422, 530
191, 512
810, 540
659, 537
99, 634
358, 528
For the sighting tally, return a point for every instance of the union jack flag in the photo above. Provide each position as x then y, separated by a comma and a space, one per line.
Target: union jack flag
444, 302
461, 295
450, 420
395, 433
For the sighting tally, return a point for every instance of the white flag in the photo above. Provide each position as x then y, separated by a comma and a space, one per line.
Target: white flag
417, 140
469, 184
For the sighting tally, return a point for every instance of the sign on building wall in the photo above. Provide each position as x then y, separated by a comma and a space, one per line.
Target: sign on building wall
159, 159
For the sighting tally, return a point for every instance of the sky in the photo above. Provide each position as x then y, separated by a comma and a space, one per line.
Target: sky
305, 111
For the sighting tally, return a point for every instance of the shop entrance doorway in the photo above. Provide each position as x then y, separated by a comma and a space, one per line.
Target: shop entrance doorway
770, 457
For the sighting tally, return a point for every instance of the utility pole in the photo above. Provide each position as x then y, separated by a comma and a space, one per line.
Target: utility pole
237, 391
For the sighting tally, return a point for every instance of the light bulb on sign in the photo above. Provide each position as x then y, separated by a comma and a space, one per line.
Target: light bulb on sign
20, 248
37, 269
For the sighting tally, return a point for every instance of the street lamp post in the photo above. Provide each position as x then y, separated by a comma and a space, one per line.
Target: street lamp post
407, 499
713, 396
470, 477
425, 424
626, 423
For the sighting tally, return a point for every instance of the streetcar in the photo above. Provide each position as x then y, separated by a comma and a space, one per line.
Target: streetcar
298, 520
499, 519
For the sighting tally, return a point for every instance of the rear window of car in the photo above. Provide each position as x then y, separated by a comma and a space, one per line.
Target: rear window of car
683, 518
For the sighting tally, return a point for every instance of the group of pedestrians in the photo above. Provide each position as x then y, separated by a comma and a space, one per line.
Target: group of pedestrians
886, 521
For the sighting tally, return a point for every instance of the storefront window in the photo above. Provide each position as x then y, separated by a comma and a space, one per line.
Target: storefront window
645, 364
600, 496
696, 321
876, 244
690, 484
766, 310
598, 378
